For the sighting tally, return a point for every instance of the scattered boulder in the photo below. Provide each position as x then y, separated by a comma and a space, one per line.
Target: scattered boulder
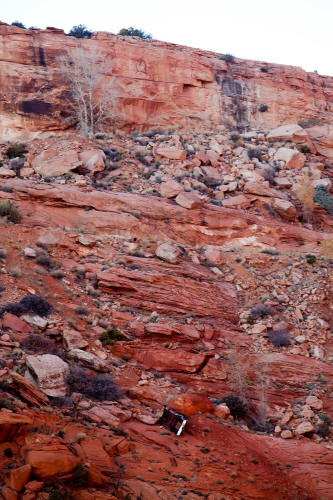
6, 173
284, 208
53, 162
73, 340
93, 160
89, 360
171, 153
50, 459
284, 132
18, 477
188, 200
168, 252
49, 372
305, 428
190, 403
170, 189
291, 157
222, 411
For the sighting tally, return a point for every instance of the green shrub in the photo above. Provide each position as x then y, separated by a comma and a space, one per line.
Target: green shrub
228, 58
109, 336
311, 259
323, 198
135, 32
9, 211
234, 137
304, 148
16, 151
80, 31
18, 25
263, 108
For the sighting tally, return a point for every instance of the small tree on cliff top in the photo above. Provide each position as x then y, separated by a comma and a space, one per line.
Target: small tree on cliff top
135, 32
91, 89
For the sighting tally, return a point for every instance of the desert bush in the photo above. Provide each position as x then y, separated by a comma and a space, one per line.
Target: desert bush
323, 429
268, 174
254, 153
98, 387
311, 259
58, 275
229, 58
135, 32
234, 137
16, 151
279, 338
304, 148
236, 405
81, 311
262, 108
323, 198
264, 70
18, 24
80, 31
102, 388
38, 343
9, 211
261, 311
43, 259
109, 336
34, 304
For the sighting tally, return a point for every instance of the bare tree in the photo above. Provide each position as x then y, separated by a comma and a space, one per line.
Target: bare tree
305, 193
91, 98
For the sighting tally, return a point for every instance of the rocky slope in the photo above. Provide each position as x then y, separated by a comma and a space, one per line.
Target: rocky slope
155, 83
185, 268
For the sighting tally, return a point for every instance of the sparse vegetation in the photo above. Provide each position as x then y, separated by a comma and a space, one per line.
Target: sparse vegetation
135, 32
236, 405
109, 336
323, 198
80, 31
34, 304
9, 212
262, 108
16, 151
304, 148
305, 193
229, 58
261, 311
279, 338
18, 24
98, 387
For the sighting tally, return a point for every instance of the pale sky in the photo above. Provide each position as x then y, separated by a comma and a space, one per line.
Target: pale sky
296, 32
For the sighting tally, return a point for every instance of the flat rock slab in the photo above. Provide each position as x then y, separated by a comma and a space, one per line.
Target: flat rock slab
50, 373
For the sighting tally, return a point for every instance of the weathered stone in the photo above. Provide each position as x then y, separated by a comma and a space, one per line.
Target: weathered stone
170, 189
18, 477
50, 460
93, 160
291, 157
50, 373
53, 162
286, 434
88, 359
36, 321
6, 172
188, 200
314, 402
284, 208
171, 153
73, 340
261, 190
222, 411
190, 403
285, 132
168, 252
30, 252
305, 428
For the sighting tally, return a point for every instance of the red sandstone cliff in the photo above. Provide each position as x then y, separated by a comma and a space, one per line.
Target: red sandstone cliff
156, 83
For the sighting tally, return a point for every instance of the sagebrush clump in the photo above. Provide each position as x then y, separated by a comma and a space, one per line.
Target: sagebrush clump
9, 212
34, 304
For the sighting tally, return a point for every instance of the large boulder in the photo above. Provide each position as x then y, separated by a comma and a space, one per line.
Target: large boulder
291, 157
168, 252
191, 403
93, 160
52, 162
49, 373
50, 459
285, 132
322, 137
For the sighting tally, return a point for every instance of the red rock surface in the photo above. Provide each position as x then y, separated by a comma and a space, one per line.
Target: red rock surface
173, 84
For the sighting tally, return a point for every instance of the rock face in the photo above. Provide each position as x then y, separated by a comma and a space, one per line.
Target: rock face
173, 84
